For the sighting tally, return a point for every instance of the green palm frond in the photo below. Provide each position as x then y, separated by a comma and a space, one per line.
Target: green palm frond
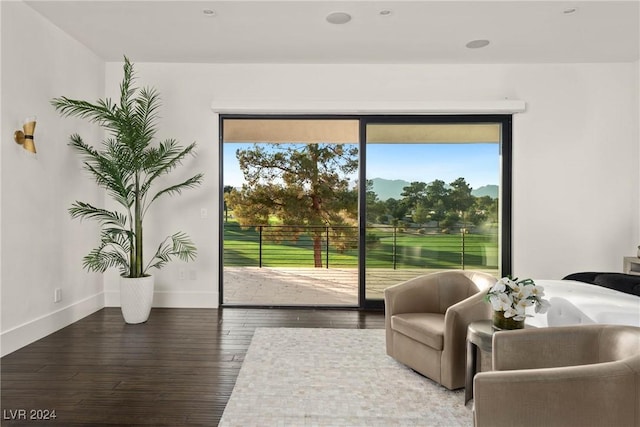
146, 107
161, 160
118, 237
112, 252
105, 257
106, 176
101, 113
76, 142
183, 247
85, 210
161, 257
107, 172
178, 245
192, 182
126, 89
162, 156
126, 162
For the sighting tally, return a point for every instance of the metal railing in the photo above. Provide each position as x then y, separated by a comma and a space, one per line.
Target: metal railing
337, 246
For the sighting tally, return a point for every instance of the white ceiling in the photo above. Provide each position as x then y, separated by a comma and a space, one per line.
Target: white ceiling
295, 31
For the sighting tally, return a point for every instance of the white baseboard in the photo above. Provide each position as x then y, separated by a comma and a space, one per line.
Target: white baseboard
29, 332
171, 299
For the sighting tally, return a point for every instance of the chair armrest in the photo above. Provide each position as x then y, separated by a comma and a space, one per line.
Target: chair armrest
601, 394
418, 295
456, 321
458, 317
545, 347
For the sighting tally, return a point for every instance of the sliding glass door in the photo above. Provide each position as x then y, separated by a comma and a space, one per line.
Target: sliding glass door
331, 210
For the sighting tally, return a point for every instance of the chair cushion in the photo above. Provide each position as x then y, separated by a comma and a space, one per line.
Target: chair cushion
426, 328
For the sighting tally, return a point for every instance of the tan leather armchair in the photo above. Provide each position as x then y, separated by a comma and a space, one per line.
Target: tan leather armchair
426, 321
583, 375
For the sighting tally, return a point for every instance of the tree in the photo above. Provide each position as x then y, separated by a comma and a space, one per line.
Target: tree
460, 198
227, 189
396, 209
460, 201
436, 200
413, 194
484, 209
306, 186
375, 207
420, 214
451, 218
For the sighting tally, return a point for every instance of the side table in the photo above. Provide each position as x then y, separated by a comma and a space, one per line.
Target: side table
479, 335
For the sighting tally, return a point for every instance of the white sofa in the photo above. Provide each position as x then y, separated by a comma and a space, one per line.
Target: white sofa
574, 303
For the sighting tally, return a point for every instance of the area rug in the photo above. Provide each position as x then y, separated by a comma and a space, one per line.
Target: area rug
335, 377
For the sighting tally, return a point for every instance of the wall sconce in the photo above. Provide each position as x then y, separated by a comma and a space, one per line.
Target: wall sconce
25, 137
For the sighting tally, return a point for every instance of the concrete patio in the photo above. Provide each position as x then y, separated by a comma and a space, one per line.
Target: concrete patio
308, 286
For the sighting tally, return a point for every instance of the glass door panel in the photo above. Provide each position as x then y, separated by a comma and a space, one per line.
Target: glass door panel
290, 227
433, 200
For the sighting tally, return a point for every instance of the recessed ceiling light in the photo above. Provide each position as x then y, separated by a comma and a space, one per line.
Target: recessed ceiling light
477, 44
209, 12
385, 12
338, 18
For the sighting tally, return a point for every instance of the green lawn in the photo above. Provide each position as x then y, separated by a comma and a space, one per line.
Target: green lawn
412, 250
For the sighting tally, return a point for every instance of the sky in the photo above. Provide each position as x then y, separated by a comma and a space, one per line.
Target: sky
479, 164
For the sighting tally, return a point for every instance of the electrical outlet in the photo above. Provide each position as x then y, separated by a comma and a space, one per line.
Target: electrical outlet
57, 295
204, 213
192, 275
182, 274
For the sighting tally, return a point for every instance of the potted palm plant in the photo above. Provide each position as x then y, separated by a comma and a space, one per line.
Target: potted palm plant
131, 166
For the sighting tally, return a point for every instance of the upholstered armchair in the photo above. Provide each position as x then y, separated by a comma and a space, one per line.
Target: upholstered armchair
426, 321
583, 375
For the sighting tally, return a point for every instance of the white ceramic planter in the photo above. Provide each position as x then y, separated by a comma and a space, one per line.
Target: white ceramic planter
136, 296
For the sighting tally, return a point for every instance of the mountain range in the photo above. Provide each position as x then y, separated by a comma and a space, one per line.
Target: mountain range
392, 188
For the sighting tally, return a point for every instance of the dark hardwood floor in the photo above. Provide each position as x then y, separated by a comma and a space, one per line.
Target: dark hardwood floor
178, 369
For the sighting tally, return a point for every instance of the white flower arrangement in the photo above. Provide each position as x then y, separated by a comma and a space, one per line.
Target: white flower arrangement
513, 296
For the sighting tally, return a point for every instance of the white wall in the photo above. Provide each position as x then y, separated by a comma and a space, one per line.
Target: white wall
576, 150
42, 248
576, 169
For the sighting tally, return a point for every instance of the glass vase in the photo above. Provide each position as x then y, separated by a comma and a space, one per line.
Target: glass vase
506, 323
